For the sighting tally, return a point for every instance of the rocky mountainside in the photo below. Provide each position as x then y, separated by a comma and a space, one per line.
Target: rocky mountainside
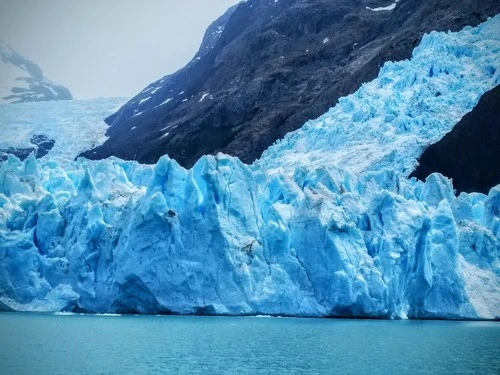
21, 80
470, 153
266, 67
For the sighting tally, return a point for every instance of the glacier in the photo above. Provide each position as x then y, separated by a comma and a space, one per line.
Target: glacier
324, 224
389, 121
74, 125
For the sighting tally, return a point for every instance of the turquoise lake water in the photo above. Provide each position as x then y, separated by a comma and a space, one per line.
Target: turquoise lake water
93, 344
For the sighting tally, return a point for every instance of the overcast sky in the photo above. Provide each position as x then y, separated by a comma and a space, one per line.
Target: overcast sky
107, 47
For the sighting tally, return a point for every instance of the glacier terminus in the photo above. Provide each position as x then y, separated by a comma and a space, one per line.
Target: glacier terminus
325, 224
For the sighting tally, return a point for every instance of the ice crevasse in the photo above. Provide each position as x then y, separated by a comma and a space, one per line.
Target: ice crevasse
324, 224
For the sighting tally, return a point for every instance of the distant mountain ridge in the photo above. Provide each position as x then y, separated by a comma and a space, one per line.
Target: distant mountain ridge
266, 67
21, 80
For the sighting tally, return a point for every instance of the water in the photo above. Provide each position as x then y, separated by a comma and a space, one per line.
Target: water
90, 344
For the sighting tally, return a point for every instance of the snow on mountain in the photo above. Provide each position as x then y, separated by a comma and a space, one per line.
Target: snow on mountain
388, 7
271, 238
21, 80
148, 98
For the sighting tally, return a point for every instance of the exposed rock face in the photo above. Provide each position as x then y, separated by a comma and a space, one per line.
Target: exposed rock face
470, 153
266, 67
21, 80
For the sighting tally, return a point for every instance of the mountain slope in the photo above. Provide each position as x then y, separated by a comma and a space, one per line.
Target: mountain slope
274, 65
22, 81
470, 152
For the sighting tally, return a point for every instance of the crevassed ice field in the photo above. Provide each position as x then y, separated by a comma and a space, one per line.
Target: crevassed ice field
324, 224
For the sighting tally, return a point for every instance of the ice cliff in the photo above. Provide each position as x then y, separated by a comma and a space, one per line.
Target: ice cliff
296, 233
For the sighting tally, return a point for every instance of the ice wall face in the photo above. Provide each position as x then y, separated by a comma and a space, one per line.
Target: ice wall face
226, 238
271, 238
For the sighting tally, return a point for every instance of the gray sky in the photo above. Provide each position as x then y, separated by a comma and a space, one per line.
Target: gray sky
107, 47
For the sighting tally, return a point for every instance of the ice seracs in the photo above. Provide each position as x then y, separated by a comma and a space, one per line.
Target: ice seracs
226, 238
411, 104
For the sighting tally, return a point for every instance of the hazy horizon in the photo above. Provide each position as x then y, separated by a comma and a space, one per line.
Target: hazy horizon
110, 48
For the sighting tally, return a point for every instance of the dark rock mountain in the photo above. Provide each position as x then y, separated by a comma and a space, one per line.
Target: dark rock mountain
21, 80
470, 153
266, 67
